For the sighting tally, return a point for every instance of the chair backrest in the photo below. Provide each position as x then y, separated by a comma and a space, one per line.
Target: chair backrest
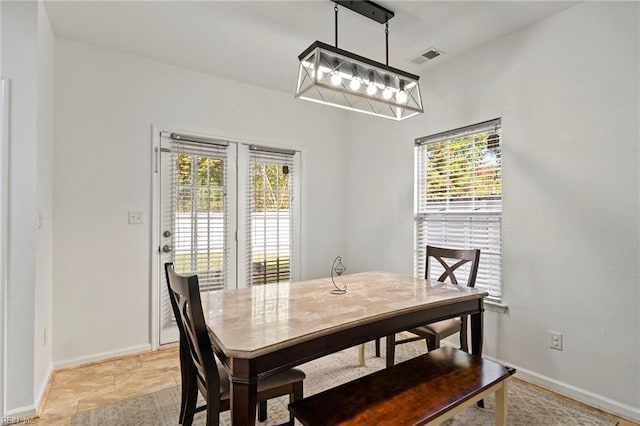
184, 293
459, 258
174, 304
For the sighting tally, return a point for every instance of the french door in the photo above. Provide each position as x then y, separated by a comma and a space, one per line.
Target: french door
228, 213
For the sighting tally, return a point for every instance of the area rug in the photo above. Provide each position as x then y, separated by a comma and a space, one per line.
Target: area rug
528, 405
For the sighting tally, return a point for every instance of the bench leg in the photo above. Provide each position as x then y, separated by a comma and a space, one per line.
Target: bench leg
501, 404
361, 355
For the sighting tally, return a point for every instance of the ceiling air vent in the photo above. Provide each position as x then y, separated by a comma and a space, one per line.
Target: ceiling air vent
427, 55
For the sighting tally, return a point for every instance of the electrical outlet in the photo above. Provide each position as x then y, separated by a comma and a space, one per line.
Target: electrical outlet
555, 340
135, 218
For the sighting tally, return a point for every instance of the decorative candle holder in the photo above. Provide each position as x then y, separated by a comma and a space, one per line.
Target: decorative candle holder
338, 269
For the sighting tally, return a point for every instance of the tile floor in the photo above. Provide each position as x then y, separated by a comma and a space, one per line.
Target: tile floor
92, 385
88, 386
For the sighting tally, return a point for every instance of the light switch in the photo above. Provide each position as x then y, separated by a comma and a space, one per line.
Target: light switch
135, 217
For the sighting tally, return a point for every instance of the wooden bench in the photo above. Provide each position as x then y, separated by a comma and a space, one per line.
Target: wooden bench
428, 390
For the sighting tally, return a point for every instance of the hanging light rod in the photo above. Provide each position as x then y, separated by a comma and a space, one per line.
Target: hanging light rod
368, 9
333, 76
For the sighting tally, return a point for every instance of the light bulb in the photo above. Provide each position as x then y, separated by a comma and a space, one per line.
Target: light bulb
336, 79
372, 89
318, 73
356, 81
401, 96
387, 93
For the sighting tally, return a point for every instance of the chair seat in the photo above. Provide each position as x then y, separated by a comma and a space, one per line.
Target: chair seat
445, 327
287, 377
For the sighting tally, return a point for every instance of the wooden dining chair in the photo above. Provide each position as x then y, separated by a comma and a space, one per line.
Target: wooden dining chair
199, 368
450, 260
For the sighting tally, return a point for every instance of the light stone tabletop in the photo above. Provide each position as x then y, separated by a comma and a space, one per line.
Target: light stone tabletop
253, 321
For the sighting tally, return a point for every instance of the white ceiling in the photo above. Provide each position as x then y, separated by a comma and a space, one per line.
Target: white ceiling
258, 42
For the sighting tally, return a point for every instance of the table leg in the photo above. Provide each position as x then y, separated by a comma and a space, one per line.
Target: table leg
476, 338
476, 333
391, 349
243, 403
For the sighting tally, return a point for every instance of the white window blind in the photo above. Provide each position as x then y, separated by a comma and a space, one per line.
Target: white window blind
199, 206
459, 198
272, 216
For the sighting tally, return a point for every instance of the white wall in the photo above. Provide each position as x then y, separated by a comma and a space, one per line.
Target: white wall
27, 49
44, 204
567, 91
105, 105
19, 38
4, 189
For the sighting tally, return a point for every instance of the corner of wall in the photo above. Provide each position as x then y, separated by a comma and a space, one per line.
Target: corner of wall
43, 392
45, 49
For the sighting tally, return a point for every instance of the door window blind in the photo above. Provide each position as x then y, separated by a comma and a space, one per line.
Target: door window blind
271, 215
199, 206
459, 198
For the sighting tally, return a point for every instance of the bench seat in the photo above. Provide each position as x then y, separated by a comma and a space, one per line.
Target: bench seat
428, 389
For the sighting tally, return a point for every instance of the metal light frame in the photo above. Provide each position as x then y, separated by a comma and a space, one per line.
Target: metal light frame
333, 76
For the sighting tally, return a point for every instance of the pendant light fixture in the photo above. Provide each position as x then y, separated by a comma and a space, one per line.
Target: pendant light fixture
333, 76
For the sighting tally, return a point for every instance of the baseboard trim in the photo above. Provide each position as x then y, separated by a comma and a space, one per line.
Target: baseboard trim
30, 411
44, 392
21, 413
101, 356
598, 401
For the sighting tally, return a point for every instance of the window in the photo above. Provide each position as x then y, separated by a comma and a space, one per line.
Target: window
199, 211
459, 198
229, 211
271, 214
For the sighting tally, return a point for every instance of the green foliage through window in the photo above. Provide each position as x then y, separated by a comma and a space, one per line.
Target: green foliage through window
270, 187
463, 169
200, 180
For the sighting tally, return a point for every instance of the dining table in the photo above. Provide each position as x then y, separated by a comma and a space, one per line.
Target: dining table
267, 328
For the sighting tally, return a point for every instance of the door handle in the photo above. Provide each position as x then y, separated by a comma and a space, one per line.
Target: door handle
166, 248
